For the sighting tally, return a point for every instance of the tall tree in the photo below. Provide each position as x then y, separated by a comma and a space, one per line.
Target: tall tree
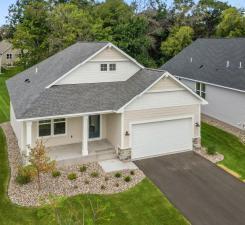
232, 24
178, 39
31, 34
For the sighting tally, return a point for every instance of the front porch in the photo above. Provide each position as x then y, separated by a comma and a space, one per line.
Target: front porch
70, 154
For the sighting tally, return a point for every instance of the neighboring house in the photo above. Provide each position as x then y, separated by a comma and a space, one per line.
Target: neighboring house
92, 101
8, 55
215, 70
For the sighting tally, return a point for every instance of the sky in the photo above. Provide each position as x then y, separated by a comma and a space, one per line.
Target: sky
4, 4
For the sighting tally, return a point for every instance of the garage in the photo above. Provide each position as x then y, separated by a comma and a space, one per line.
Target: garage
161, 137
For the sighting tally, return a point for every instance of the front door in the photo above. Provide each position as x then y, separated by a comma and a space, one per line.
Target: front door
94, 126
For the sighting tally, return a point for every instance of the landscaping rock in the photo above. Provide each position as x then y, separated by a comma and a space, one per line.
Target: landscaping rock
217, 157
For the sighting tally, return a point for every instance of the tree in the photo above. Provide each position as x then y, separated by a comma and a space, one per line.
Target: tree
31, 35
40, 161
232, 24
179, 38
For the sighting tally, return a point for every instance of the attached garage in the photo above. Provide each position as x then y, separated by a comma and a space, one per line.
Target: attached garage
161, 137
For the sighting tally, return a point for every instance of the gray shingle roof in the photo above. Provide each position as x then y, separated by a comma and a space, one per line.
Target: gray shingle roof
209, 58
33, 99
91, 97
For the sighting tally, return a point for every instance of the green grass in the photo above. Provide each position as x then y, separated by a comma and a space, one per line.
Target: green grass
226, 144
4, 97
143, 204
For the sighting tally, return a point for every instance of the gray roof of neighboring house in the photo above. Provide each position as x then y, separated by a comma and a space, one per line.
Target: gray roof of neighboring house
209, 59
33, 99
4, 46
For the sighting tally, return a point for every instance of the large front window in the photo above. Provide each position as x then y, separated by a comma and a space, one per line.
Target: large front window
52, 127
201, 89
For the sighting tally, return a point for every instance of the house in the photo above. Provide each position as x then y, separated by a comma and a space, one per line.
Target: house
215, 70
8, 55
92, 101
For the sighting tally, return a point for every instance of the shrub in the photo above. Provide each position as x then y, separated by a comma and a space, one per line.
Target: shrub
132, 172
127, 178
102, 187
117, 175
83, 168
72, 176
211, 150
94, 174
86, 181
117, 184
106, 178
25, 174
56, 173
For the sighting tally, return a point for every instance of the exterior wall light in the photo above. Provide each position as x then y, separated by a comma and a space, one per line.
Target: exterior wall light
126, 133
197, 124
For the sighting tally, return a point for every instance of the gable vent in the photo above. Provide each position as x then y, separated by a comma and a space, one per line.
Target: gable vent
227, 63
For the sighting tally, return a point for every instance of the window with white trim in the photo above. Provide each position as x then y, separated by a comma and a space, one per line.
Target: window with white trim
52, 127
201, 89
103, 67
9, 56
112, 67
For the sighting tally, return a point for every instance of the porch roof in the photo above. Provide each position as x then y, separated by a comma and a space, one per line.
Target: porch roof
82, 98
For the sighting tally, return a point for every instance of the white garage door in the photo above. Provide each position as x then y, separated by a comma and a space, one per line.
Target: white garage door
164, 137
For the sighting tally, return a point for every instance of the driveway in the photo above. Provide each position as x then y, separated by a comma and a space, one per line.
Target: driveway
204, 193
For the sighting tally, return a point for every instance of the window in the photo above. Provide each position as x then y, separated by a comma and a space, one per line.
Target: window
9, 56
103, 67
112, 67
52, 127
59, 126
44, 128
201, 89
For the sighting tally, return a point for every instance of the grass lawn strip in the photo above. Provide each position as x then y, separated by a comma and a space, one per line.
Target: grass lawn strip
142, 205
227, 144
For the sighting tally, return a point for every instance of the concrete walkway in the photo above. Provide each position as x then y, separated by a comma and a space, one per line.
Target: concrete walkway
204, 193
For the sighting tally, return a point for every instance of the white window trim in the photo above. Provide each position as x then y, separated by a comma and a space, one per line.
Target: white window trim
110, 67
201, 89
52, 129
102, 66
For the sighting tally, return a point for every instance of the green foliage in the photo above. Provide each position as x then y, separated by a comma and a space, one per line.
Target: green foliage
94, 174
102, 187
117, 174
132, 172
179, 38
56, 173
232, 24
83, 168
127, 179
211, 150
72, 176
25, 174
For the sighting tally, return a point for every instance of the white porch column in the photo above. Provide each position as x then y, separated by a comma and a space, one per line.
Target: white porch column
85, 136
28, 136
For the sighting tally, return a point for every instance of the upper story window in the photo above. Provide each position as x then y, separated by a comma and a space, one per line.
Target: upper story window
103, 67
9, 56
112, 67
52, 127
201, 89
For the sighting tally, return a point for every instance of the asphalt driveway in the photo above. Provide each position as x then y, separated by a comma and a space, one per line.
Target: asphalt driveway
204, 193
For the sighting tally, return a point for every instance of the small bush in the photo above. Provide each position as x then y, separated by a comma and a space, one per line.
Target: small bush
117, 175
132, 172
102, 187
127, 178
83, 168
117, 184
72, 176
94, 174
25, 174
106, 178
75, 187
86, 181
211, 150
56, 173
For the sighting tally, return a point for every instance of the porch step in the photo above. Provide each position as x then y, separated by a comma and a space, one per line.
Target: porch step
95, 156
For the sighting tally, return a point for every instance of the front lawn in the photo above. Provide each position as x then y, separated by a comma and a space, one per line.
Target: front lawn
4, 97
143, 204
226, 144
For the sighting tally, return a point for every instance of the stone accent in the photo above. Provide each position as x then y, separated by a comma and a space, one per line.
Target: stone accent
124, 154
196, 143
